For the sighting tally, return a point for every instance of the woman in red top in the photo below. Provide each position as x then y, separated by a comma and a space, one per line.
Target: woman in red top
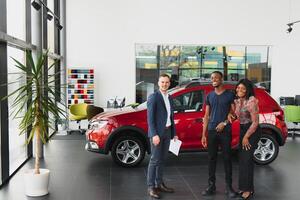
246, 110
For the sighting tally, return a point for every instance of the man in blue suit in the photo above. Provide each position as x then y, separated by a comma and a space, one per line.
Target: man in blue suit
161, 129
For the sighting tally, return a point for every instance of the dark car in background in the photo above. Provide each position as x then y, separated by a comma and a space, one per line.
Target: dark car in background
123, 132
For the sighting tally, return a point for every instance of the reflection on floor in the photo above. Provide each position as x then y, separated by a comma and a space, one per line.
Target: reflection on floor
80, 175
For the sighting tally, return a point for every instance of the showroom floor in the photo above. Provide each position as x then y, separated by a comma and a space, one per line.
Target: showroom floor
80, 175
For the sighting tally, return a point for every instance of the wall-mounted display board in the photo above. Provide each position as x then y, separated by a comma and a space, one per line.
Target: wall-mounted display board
80, 86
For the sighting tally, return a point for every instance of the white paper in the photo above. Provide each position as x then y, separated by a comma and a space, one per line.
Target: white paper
175, 146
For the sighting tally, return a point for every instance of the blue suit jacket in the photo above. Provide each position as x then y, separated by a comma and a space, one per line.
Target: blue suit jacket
157, 115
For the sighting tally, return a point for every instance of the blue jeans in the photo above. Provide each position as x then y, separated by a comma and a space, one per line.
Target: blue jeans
157, 160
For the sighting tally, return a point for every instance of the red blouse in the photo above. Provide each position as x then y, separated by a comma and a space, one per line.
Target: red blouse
247, 112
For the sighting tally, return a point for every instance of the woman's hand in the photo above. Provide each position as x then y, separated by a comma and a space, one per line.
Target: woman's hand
231, 117
245, 143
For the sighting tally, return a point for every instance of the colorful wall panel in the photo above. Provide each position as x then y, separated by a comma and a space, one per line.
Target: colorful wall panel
80, 86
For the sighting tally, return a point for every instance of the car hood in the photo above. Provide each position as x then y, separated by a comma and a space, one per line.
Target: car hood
117, 112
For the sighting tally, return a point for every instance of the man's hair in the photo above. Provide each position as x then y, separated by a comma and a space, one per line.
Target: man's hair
218, 72
164, 75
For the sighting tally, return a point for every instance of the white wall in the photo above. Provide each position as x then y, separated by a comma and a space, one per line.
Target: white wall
102, 34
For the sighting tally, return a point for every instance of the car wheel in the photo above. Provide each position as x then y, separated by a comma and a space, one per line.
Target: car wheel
267, 150
128, 151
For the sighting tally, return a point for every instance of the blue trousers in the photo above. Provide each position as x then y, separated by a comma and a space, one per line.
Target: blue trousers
157, 160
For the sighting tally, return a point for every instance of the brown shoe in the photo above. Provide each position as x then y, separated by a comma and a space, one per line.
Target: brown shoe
153, 193
163, 188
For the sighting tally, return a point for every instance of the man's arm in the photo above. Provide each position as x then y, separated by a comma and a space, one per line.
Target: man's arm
151, 107
231, 115
151, 110
205, 125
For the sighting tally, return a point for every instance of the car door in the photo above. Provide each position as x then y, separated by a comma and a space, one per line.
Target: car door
188, 118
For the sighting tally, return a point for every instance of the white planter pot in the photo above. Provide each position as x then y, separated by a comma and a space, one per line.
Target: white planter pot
36, 184
61, 127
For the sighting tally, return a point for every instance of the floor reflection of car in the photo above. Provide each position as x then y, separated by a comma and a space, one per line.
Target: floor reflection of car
123, 132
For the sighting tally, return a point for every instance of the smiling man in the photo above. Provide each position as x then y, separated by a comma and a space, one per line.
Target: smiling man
161, 129
218, 105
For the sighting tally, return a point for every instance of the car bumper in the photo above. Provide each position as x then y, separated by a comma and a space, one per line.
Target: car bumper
92, 146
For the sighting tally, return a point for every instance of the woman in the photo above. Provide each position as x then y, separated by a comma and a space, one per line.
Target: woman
246, 110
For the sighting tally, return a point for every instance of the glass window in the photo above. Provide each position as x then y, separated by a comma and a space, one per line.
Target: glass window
35, 27
212, 57
188, 74
16, 23
257, 60
189, 57
15, 79
169, 56
16, 27
51, 83
236, 58
258, 68
51, 26
146, 56
191, 101
146, 70
190, 62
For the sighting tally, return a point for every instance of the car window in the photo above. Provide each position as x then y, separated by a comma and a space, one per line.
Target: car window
191, 101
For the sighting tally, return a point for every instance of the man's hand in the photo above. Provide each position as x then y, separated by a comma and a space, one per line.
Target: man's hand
175, 138
156, 140
220, 127
204, 141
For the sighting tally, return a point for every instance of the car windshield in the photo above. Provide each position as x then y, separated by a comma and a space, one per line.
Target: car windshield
170, 92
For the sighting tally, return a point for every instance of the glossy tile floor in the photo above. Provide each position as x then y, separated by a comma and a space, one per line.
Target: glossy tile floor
80, 175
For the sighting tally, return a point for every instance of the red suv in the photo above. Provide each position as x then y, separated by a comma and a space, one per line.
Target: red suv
123, 132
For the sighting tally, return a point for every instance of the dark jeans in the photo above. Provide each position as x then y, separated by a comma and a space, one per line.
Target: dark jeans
158, 156
216, 139
246, 163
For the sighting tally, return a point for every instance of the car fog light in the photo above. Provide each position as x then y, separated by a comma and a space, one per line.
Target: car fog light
94, 145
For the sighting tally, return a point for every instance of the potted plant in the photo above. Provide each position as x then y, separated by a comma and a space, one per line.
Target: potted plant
61, 124
35, 119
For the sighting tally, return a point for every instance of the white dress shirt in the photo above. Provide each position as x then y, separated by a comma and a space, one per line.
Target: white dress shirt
168, 107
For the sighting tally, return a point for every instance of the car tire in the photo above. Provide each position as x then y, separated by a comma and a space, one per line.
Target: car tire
267, 149
128, 151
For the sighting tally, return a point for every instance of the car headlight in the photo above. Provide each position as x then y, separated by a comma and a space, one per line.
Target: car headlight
97, 124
